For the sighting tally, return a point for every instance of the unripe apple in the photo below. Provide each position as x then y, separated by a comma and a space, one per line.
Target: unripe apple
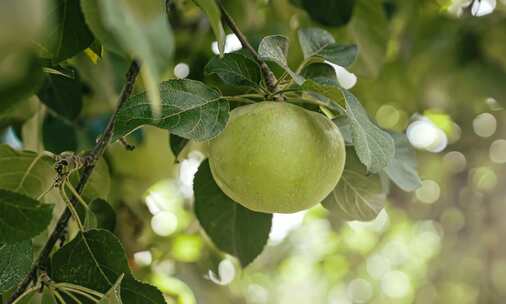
277, 157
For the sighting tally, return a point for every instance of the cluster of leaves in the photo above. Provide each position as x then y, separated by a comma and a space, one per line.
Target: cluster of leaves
93, 262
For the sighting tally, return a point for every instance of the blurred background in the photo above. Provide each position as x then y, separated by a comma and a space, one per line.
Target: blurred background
435, 69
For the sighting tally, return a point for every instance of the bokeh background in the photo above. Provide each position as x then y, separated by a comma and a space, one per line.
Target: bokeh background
433, 69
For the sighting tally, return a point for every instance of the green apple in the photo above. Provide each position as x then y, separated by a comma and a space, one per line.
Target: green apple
277, 157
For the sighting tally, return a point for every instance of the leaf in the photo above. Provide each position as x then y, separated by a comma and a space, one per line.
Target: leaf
275, 48
357, 196
402, 168
15, 263
177, 144
17, 115
62, 94
21, 172
95, 259
21, 217
213, 13
344, 125
321, 73
190, 109
370, 30
142, 29
70, 34
58, 136
316, 42
99, 184
328, 12
235, 69
375, 148
17, 87
232, 228
104, 215
113, 296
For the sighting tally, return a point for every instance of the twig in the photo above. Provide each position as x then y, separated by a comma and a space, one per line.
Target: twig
95, 154
270, 78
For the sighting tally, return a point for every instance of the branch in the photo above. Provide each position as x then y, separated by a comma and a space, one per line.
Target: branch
270, 79
88, 168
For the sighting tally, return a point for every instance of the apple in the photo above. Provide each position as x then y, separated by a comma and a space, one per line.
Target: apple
276, 157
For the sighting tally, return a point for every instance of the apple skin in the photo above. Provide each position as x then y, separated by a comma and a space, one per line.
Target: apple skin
276, 157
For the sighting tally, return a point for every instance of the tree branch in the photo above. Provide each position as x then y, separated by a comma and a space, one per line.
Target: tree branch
88, 168
270, 78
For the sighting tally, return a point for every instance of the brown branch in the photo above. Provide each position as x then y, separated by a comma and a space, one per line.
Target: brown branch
270, 78
94, 155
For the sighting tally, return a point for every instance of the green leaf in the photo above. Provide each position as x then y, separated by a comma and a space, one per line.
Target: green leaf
375, 148
113, 296
370, 30
104, 215
99, 184
96, 21
358, 195
58, 136
142, 29
62, 94
321, 82
16, 87
275, 48
190, 109
20, 171
213, 12
328, 12
402, 168
232, 228
344, 125
17, 115
316, 42
15, 263
21, 217
177, 144
70, 34
235, 69
95, 259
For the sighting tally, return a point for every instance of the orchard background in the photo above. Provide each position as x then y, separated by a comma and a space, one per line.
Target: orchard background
107, 108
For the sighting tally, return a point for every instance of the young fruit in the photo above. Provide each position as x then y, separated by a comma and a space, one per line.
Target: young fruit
277, 157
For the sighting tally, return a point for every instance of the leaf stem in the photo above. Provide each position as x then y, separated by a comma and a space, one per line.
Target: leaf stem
95, 154
269, 76
25, 293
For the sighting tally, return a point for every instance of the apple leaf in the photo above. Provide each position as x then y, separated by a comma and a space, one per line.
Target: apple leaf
235, 69
15, 263
21, 171
213, 13
328, 12
232, 228
358, 195
190, 109
375, 148
62, 94
142, 29
95, 259
275, 48
318, 43
70, 34
402, 169
113, 296
21, 217
370, 30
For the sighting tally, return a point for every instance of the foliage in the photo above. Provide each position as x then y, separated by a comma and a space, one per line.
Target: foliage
84, 220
